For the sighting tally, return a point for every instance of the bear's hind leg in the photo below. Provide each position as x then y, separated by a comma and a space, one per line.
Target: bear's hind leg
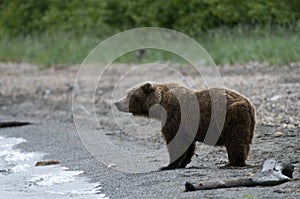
183, 160
237, 153
187, 156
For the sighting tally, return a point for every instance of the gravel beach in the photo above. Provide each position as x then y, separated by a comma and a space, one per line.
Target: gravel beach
44, 98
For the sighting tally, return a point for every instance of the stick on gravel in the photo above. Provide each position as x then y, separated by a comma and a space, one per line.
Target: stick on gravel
273, 173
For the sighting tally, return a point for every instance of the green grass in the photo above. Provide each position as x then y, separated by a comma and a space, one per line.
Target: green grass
225, 47
277, 48
47, 50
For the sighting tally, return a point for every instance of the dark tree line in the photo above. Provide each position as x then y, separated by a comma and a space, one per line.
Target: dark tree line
101, 17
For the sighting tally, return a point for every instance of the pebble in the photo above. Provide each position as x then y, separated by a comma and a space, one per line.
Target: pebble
278, 134
111, 166
276, 97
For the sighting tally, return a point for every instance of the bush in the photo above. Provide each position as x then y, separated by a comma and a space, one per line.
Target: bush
102, 17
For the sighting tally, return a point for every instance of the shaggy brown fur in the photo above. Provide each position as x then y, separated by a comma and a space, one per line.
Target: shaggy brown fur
237, 132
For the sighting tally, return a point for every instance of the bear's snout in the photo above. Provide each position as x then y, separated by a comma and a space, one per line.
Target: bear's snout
122, 105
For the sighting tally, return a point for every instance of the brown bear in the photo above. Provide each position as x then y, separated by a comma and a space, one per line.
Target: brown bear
235, 134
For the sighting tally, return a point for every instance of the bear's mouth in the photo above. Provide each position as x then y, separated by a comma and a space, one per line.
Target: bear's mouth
121, 108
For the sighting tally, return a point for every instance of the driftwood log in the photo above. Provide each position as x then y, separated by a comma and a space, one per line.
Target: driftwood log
47, 162
273, 173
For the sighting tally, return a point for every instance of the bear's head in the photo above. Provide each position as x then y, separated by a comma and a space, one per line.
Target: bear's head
139, 99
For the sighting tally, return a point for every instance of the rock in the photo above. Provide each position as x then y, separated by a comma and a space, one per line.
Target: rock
111, 166
275, 97
278, 134
47, 92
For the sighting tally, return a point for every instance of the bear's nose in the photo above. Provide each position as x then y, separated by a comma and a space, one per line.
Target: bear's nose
117, 104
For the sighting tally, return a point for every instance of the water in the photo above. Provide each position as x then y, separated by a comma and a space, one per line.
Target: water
19, 178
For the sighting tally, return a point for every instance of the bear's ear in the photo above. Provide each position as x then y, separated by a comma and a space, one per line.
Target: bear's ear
147, 88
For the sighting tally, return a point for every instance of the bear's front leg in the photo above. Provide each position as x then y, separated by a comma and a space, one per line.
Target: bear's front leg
182, 161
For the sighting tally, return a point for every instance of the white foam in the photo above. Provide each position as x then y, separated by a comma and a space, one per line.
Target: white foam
14, 160
20, 178
55, 178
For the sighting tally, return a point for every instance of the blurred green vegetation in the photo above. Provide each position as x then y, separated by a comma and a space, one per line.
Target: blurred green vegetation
54, 32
